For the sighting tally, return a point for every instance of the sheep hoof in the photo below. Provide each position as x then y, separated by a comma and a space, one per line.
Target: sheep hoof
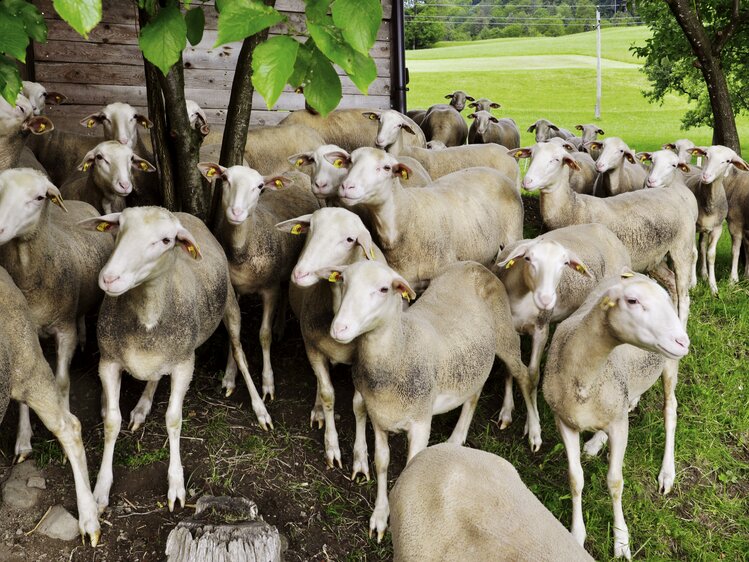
316, 415
665, 482
229, 391
22, 457
95, 536
621, 550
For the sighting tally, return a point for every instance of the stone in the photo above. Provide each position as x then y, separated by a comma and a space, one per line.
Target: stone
16, 493
59, 524
37, 482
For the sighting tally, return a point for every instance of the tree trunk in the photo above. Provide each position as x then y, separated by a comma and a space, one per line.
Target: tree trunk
724, 123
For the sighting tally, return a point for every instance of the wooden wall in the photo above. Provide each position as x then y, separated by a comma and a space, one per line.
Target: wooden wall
108, 66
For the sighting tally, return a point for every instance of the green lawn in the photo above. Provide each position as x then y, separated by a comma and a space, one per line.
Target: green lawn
555, 78
706, 517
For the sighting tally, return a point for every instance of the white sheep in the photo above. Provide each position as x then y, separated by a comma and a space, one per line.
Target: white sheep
455, 503
486, 128
39, 97
167, 289
737, 187
651, 223
623, 338
54, 263
547, 279
618, 169
339, 236
584, 179
26, 377
426, 360
468, 215
15, 125
260, 257
105, 177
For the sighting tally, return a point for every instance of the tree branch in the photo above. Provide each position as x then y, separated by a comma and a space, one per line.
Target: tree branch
735, 21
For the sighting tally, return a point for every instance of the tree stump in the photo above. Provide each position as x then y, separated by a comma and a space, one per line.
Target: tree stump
224, 529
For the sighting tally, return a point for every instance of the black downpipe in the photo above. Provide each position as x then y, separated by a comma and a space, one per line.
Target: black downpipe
398, 78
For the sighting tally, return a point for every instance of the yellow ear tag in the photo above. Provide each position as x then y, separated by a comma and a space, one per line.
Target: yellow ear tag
103, 226
192, 250
86, 166
299, 162
143, 166
91, 123
627, 275
607, 303
580, 268
211, 172
279, 184
296, 229
372, 253
404, 174
338, 163
405, 295
56, 200
42, 126
334, 276
372, 117
510, 264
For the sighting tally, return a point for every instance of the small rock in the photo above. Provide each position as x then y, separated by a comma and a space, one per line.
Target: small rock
37, 482
59, 524
16, 493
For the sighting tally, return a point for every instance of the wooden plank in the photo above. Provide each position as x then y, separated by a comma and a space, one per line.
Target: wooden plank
113, 11
122, 34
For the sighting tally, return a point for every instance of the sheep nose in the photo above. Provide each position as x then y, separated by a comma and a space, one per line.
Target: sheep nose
546, 301
705, 178
236, 211
125, 186
599, 167
109, 279
527, 182
338, 331
683, 341
320, 185
299, 275
123, 140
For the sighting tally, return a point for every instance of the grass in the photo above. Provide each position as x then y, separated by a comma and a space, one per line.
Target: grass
555, 78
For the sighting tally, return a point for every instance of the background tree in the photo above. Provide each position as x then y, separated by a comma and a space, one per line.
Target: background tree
700, 50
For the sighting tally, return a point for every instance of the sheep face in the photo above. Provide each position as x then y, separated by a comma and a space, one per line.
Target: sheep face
483, 118
334, 235
22, 118
197, 117
717, 162
484, 104
664, 166
543, 262
370, 178
24, 194
391, 126
242, 188
120, 122
641, 313
39, 97
458, 99
544, 130
547, 162
682, 148
371, 293
112, 163
614, 152
148, 239
589, 132
327, 175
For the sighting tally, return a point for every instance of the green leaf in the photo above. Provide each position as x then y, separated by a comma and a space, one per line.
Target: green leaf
81, 15
364, 71
272, 65
13, 37
302, 64
323, 87
316, 10
163, 38
195, 21
359, 21
241, 18
330, 41
33, 21
10, 80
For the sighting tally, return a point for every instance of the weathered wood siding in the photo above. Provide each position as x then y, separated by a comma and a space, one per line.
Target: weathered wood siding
108, 66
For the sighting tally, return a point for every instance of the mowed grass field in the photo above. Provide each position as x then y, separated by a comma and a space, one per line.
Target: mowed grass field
706, 517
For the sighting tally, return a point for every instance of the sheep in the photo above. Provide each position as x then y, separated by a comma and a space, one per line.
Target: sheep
458, 100
589, 133
417, 115
167, 289
267, 148
443, 122
712, 202
548, 278
15, 125
39, 97
197, 117
104, 177
327, 176
120, 123
426, 360
484, 104
584, 179
738, 221
55, 265
468, 215
650, 223
437, 163
487, 128
260, 257
618, 169
546, 130
682, 148
339, 236
26, 377
436, 145
601, 360
416, 138
455, 503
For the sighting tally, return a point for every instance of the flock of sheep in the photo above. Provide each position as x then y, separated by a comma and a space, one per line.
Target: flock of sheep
405, 254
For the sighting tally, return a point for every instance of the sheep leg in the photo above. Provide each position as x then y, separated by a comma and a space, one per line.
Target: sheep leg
327, 396
181, 377
361, 455
233, 323
736, 240
713, 238
703, 255
143, 407
229, 382
668, 468
23, 437
682, 269
540, 337
508, 405
270, 300
110, 374
594, 445
693, 281
418, 437
65, 338
571, 440
49, 406
81, 326
379, 520
533, 422
460, 433
618, 432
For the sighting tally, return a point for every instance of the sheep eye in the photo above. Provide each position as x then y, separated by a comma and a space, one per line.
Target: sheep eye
386, 168
631, 301
40, 198
384, 290
99, 157
350, 240
261, 186
673, 165
166, 241
622, 151
527, 258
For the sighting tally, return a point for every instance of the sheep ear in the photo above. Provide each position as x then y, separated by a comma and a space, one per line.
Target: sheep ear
333, 274
740, 164
554, 128
54, 195
406, 127
401, 285
493, 119
143, 121
56, 98
276, 183
138, 163
339, 159
469, 98
578, 265
697, 151
579, 127
105, 223
211, 170
402, 170
371, 115
509, 261
668, 146
205, 129
643, 156
448, 96
473, 104
299, 225
532, 128
600, 132
572, 163
39, 125
92, 120
365, 241
593, 145
521, 153
683, 166
568, 147
88, 161
494, 105
301, 159
471, 116
630, 157
188, 243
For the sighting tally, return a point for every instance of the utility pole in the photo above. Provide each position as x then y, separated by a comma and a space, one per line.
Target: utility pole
598, 62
